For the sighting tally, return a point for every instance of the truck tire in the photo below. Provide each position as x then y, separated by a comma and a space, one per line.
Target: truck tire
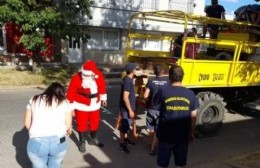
210, 114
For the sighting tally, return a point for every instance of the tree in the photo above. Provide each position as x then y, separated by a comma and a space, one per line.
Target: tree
40, 18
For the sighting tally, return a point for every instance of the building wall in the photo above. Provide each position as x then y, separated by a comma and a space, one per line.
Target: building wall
199, 6
116, 13
108, 55
3, 47
113, 15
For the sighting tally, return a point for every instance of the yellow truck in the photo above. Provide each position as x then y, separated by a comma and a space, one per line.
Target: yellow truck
224, 70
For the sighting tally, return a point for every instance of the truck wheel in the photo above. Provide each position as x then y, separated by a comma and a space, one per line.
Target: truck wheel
210, 114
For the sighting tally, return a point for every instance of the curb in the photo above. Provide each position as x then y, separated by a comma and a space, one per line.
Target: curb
116, 81
41, 87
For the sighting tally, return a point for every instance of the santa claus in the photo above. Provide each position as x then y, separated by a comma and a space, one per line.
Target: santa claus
87, 92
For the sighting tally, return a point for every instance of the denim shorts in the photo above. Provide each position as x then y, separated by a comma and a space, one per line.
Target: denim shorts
152, 119
125, 122
45, 151
179, 151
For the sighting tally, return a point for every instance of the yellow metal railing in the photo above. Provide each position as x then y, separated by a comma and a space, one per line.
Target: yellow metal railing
200, 72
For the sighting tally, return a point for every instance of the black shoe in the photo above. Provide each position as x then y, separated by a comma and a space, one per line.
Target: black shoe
128, 141
82, 147
152, 152
95, 141
82, 144
124, 148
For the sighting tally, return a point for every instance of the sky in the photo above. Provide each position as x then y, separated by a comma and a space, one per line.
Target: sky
232, 5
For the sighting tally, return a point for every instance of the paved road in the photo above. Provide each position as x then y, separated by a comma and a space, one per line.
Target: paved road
238, 136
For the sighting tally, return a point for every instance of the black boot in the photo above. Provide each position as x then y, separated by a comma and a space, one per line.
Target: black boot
94, 140
82, 143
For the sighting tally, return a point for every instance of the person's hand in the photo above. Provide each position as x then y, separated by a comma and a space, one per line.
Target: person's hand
191, 138
73, 113
69, 131
104, 103
131, 114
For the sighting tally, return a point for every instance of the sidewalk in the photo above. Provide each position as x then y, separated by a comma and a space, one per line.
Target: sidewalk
112, 74
22, 87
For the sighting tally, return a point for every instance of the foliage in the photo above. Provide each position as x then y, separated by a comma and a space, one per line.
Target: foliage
38, 18
12, 77
57, 74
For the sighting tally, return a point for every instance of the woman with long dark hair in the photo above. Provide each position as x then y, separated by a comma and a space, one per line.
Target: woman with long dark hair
48, 118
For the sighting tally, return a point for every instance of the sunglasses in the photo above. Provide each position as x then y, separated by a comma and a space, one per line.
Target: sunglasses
86, 75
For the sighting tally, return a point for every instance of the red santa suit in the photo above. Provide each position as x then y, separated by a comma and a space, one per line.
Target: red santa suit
86, 91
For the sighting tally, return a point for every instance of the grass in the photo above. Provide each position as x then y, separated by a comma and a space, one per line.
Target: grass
13, 77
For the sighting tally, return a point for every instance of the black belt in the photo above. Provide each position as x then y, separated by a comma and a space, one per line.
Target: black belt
88, 95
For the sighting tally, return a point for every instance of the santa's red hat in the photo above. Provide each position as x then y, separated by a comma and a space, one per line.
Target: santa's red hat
89, 68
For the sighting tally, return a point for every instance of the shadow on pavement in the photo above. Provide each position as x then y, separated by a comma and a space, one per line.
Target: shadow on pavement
74, 138
20, 139
243, 109
90, 159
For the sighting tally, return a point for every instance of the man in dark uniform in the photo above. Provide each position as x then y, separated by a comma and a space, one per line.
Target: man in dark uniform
215, 11
178, 46
151, 90
127, 105
178, 108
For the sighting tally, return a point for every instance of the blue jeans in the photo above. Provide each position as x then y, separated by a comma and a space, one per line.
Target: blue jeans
47, 151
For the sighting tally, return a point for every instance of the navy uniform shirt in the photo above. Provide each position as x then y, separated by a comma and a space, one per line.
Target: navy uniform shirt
127, 85
214, 12
154, 84
177, 49
177, 103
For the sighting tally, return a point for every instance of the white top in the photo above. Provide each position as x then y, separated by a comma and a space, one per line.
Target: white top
48, 121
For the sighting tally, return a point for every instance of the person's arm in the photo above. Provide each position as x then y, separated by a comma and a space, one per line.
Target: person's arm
68, 122
72, 88
127, 103
184, 37
146, 92
193, 121
102, 90
28, 119
194, 107
193, 126
223, 13
256, 20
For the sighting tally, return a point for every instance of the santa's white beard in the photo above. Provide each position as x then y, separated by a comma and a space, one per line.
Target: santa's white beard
87, 82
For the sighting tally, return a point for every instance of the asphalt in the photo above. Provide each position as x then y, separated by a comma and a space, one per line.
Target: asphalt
111, 157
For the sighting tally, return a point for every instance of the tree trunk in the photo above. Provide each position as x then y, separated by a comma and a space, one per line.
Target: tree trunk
36, 65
